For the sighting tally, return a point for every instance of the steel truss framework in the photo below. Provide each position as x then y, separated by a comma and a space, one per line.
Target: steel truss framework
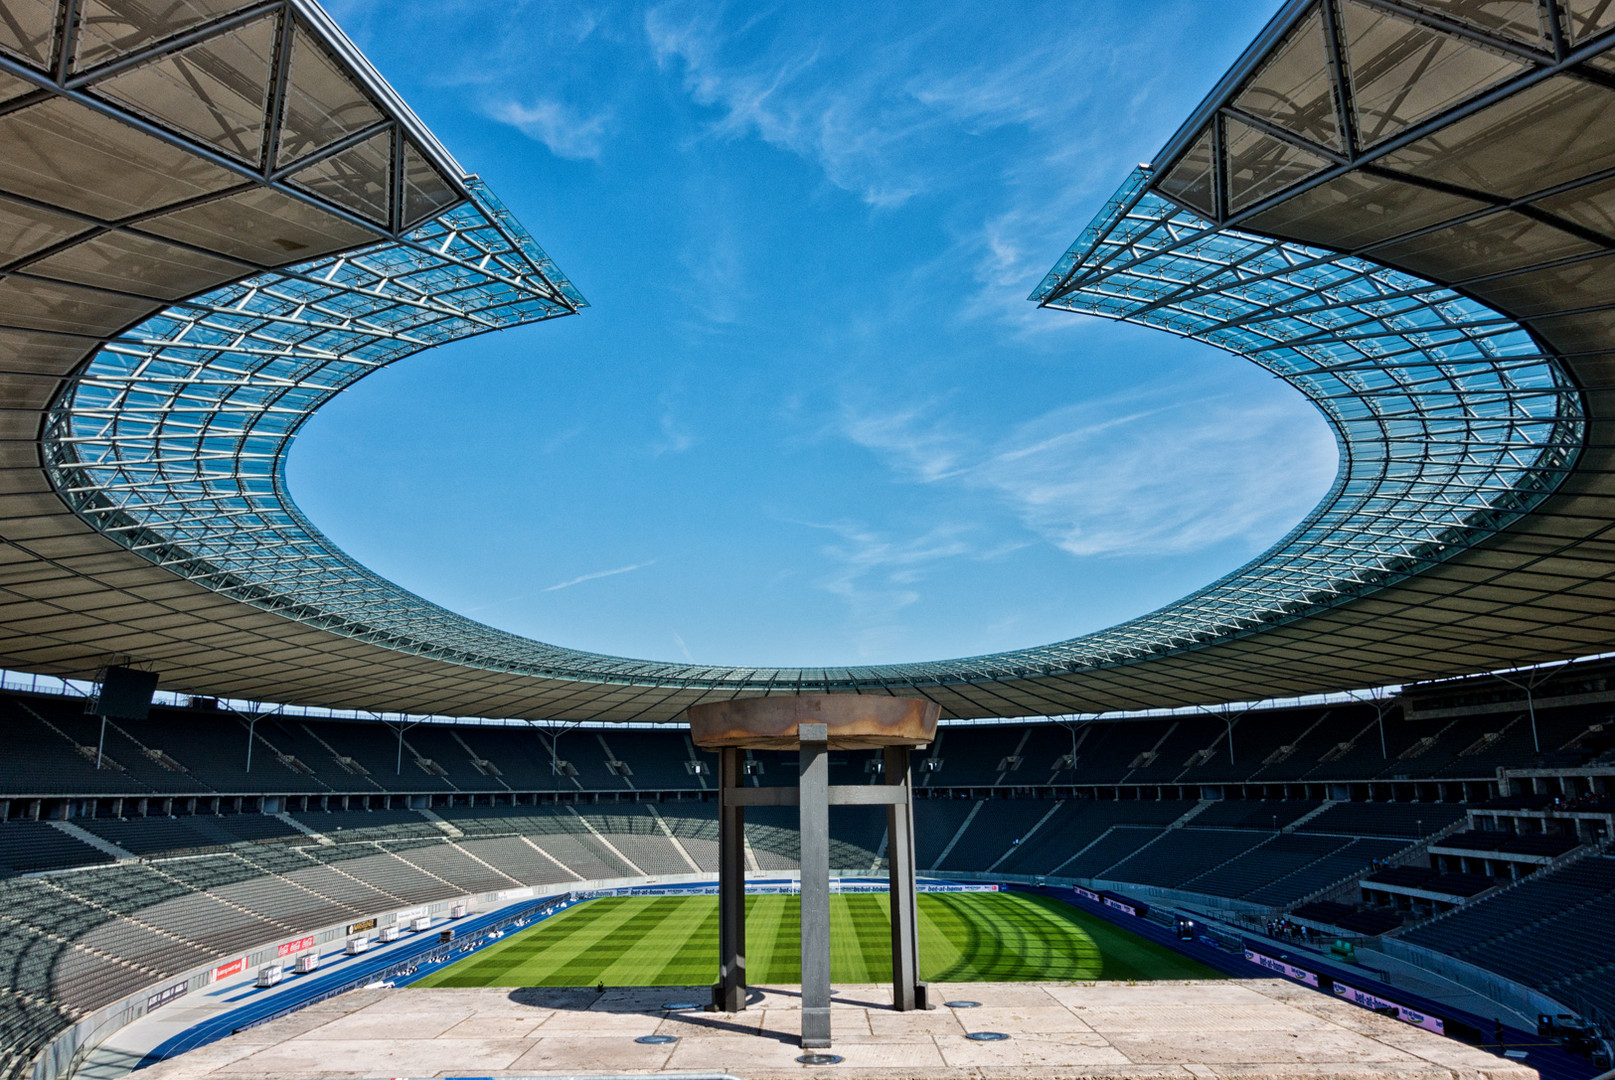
1450, 419
1441, 307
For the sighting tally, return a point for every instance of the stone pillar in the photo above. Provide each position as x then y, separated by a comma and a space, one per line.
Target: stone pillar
907, 990
815, 835
729, 994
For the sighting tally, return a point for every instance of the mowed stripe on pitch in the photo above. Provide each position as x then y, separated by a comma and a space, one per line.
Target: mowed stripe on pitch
673, 941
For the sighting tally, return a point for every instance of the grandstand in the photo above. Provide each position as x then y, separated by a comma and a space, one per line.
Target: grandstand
333, 752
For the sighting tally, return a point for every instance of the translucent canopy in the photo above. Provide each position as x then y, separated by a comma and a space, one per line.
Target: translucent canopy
215, 215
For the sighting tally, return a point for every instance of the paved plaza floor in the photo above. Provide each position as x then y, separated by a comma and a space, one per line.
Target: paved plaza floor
1244, 1030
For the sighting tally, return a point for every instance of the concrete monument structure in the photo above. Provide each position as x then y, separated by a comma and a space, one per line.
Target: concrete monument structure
814, 725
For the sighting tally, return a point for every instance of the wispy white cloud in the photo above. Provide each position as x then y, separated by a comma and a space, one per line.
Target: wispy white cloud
683, 648
1124, 475
676, 438
597, 575
879, 575
568, 133
797, 93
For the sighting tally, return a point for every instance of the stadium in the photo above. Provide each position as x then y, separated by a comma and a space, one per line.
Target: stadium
1345, 810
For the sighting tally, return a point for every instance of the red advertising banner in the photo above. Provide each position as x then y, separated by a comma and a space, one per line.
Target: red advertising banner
234, 967
296, 946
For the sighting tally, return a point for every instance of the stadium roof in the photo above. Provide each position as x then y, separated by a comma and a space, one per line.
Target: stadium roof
214, 215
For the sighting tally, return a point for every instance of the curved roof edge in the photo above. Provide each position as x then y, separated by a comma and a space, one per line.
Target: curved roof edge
1464, 511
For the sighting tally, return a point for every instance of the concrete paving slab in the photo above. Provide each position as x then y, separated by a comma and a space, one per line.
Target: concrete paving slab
1034, 1052
1025, 1019
484, 1026
570, 1056
1182, 1031
389, 1057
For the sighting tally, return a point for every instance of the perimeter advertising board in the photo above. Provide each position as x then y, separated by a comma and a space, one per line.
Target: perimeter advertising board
287, 948
167, 994
1282, 967
234, 967
1122, 903
1378, 1004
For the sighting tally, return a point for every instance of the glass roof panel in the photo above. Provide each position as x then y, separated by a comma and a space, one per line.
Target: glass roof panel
1358, 209
1484, 245
426, 191
25, 229
216, 91
262, 226
1191, 179
1587, 17
67, 155
1402, 72
1260, 165
1292, 90
1521, 20
27, 29
323, 102
356, 178
109, 29
133, 263
1556, 131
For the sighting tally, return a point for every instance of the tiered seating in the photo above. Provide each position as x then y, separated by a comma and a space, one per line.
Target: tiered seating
444, 860
1078, 823
1384, 819
346, 826
1277, 858
514, 856
635, 833
1110, 849
1271, 814
386, 871
1352, 859
27, 846
935, 823
992, 832
149, 836
1525, 917
696, 826
772, 835
1184, 854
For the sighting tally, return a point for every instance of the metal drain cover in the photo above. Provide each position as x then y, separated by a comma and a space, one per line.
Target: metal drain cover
987, 1036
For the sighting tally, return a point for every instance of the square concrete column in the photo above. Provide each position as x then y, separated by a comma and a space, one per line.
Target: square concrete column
815, 832
729, 993
907, 990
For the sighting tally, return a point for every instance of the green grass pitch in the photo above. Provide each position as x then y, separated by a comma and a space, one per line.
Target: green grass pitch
673, 941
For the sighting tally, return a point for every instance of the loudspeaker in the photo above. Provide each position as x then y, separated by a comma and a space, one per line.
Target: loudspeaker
124, 694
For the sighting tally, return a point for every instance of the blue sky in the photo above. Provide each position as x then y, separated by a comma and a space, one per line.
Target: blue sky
810, 417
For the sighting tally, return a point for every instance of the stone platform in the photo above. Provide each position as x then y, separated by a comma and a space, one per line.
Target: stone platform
1244, 1030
